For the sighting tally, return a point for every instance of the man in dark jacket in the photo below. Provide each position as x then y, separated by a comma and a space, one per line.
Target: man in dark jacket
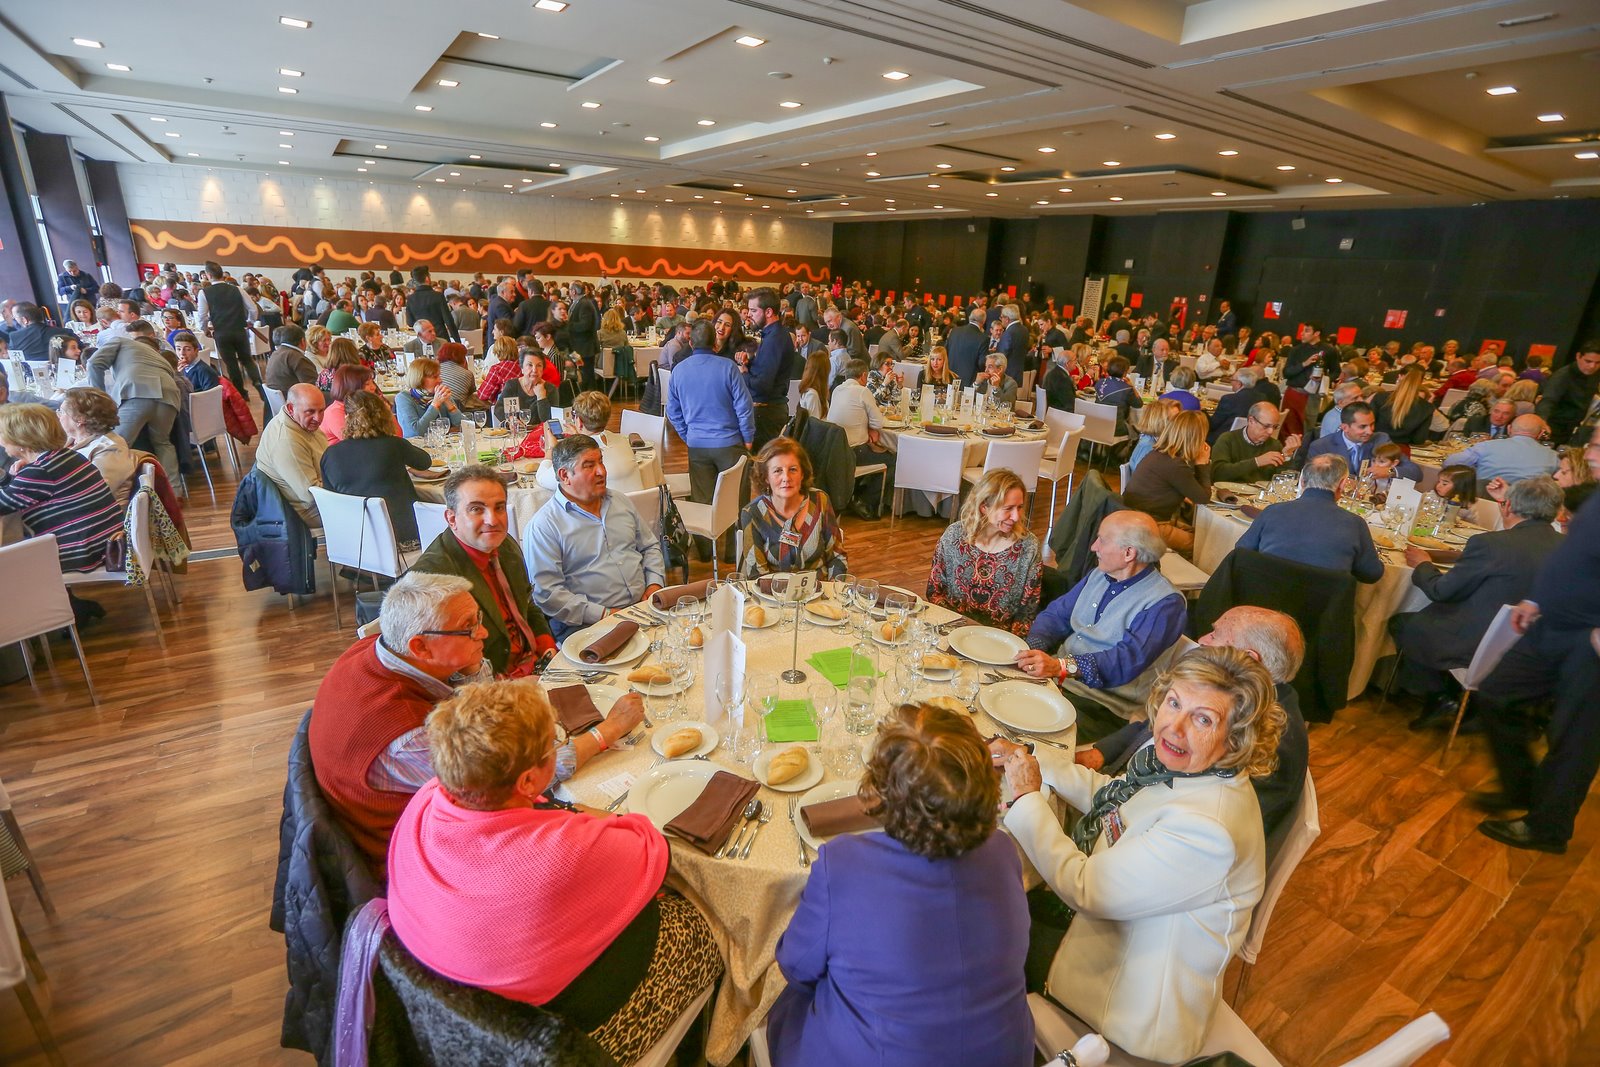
1306, 357
1495, 569
74, 284
426, 303
1237, 404
965, 348
1565, 398
583, 333
533, 310
1314, 530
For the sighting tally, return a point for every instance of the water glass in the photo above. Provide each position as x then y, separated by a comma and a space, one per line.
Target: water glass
860, 708
964, 684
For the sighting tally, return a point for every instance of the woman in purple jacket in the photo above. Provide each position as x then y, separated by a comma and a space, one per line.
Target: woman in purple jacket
908, 946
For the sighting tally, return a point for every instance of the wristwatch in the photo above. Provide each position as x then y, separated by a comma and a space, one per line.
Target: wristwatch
1069, 668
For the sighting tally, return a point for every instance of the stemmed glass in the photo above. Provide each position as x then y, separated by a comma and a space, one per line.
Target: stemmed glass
685, 617
668, 706
896, 610
681, 664
866, 597
964, 684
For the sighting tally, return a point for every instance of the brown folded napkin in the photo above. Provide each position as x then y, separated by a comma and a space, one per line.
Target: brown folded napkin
999, 431
635, 441
707, 822
939, 429
575, 709
1249, 510
842, 816
667, 599
609, 643
1032, 424
1443, 555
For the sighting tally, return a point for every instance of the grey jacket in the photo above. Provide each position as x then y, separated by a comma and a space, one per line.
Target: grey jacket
136, 371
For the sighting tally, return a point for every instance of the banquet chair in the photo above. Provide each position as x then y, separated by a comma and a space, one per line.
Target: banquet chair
16, 856
1217, 392
359, 535
1100, 424
275, 400
653, 428
794, 396
430, 521
1025, 459
1238, 422
1303, 829
17, 962
932, 465
607, 370
1041, 403
473, 339
1182, 575
36, 596
1061, 465
1406, 1045
1124, 475
140, 549
1056, 1028
721, 515
647, 502
205, 425
1492, 648
1452, 397
910, 373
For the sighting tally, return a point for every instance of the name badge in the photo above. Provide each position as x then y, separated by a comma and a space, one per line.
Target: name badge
1114, 827
789, 539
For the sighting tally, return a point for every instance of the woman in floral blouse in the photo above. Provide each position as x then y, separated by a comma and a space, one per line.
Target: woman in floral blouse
788, 525
988, 563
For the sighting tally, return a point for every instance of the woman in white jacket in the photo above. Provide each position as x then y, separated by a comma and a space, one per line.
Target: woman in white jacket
1163, 871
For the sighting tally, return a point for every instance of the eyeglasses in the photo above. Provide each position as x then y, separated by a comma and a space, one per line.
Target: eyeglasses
1265, 425
477, 625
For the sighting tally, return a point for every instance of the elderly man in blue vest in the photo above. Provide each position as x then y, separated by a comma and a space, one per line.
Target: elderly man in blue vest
1112, 625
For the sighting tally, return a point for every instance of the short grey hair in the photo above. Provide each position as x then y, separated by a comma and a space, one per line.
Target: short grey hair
1183, 378
1326, 471
415, 604
995, 359
1140, 534
68, 264
1273, 636
1535, 498
564, 456
1122, 337
1011, 311
1346, 392
1245, 376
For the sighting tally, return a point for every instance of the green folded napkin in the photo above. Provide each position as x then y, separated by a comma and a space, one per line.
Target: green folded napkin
791, 720
834, 664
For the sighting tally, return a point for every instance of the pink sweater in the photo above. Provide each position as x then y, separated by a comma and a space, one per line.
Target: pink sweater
517, 901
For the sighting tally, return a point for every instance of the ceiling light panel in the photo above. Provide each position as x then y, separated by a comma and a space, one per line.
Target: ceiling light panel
294, 23
750, 41
555, 6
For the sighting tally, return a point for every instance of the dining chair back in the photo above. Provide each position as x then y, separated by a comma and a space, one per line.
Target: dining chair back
1217, 392
1022, 458
1058, 422
664, 375
275, 400
36, 599
1492, 648
1100, 423
1406, 1045
1041, 403
473, 339
18, 962
15, 855
931, 464
1452, 397
141, 550
1238, 422
652, 428
1061, 465
794, 395
722, 514
430, 521
1124, 476
206, 424
1304, 826
910, 373
647, 502
359, 535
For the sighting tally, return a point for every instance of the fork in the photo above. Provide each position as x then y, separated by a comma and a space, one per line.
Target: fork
766, 817
617, 803
805, 857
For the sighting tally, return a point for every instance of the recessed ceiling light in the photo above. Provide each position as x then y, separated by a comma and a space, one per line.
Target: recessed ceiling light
789, 103
659, 80
548, 125
171, 133
1165, 136
474, 157
943, 166
1218, 192
991, 194
738, 185
287, 73
1586, 155
708, 122
716, 201
765, 206
294, 23
555, 166
805, 164
1047, 150
1042, 203
508, 186
1064, 189
639, 190
1111, 163
193, 154
671, 201
84, 42
448, 83
424, 107
286, 146
749, 198
896, 75
381, 147
699, 196
791, 190
873, 174
550, 5
938, 207
871, 154
891, 209
123, 67
590, 104
844, 204
750, 42
361, 170
1007, 170
1554, 116
652, 138
810, 211
438, 179
1228, 152
283, 162
1502, 90
1114, 199
489, 36
287, 90
932, 186
1286, 166
615, 195
285, 133
455, 174
157, 118
1333, 181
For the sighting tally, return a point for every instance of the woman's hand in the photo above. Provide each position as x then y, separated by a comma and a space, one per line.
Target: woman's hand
1037, 664
1022, 774
624, 715
1090, 757
1204, 457
441, 396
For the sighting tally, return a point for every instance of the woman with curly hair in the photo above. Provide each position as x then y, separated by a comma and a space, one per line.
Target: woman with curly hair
868, 984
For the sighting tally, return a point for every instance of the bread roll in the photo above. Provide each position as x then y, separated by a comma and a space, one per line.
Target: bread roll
827, 609
890, 632
680, 741
650, 674
755, 615
938, 661
787, 765
697, 639
949, 703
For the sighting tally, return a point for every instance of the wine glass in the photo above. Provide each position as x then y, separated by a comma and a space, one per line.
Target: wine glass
665, 705
897, 609
964, 684
866, 594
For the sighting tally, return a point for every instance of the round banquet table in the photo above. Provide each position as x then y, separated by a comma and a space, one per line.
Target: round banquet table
1217, 530
975, 452
748, 902
522, 500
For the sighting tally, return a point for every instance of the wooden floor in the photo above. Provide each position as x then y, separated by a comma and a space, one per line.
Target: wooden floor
154, 818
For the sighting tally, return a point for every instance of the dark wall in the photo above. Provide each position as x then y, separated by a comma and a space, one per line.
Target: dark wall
24, 269
936, 256
1525, 272
62, 203
105, 188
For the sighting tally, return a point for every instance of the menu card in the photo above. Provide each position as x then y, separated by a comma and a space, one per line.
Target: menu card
724, 657
727, 611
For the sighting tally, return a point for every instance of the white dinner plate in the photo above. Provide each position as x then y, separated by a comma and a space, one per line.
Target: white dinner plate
817, 795
1028, 706
579, 640
774, 616
986, 644
817, 620
662, 793
1239, 489
812, 775
708, 735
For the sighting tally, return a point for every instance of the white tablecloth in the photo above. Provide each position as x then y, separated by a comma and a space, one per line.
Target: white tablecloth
523, 501
748, 902
974, 453
1217, 531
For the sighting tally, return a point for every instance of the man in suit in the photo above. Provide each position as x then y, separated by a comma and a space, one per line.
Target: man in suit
74, 284
1060, 391
583, 332
425, 302
1558, 657
805, 308
1227, 321
534, 309
425, 345
1314, 529
891, 345
1356, 440
1126, 348
804, 345
854, 342
917, 315
1247, 393
502, 305
132, 369
966, 347
289, 365
1495, 568
1013, 343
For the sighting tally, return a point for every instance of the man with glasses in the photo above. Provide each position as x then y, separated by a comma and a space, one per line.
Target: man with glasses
1253, 453
1248, 389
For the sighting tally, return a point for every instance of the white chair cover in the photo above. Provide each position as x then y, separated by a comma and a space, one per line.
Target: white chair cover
1304, 827
1099, 423
1406, 1045
653, 428
430, 521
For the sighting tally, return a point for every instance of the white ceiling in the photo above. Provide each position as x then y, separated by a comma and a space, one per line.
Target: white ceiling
1387, 96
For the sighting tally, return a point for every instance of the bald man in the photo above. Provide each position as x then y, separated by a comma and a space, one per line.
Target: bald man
290, 452
1521, 454
1253, 453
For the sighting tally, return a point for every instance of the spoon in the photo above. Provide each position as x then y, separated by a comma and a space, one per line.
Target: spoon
751, 810
766, 817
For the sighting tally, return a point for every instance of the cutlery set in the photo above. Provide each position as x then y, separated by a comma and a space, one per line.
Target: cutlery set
756, 815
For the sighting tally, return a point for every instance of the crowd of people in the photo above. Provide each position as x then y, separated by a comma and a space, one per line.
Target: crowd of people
440, 767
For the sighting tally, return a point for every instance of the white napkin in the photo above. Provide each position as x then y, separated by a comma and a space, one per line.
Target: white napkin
724, 658
727, 611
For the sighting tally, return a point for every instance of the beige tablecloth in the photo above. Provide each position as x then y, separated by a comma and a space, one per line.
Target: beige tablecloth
1217, 531
748, 902
974, 453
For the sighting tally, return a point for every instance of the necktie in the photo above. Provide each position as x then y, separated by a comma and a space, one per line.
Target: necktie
511, 602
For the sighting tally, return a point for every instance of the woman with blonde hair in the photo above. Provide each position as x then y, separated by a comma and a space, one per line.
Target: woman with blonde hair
425, 399
814, 391
318, 344
494, 885
55, 489
1176, 472
613, 331
1151, 421
1524, 393
1404, 413
988, 565
1154, 889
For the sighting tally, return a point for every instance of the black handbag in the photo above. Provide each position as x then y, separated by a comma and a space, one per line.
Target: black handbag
675, 539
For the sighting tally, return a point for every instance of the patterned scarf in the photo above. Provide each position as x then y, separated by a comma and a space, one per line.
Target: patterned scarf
1144, 769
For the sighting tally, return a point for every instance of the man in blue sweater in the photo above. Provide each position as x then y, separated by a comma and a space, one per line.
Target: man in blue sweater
709, 405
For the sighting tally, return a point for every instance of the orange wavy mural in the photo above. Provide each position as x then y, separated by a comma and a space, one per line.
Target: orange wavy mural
271, 246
